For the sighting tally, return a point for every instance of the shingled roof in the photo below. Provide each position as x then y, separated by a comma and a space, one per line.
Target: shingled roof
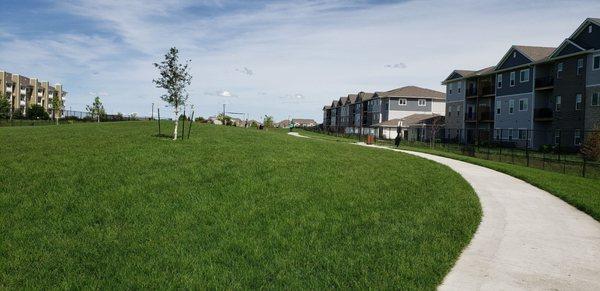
412, 91
535, 53
352, 98
364, 96
414, 119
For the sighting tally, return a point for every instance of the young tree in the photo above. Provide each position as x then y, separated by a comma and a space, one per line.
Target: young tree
96, 109
591, 146
174, 77
436, 124
268, 121
56, 107
4, 107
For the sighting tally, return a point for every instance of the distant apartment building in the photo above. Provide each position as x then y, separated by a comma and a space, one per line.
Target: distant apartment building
373, 113
533, 96
23, 92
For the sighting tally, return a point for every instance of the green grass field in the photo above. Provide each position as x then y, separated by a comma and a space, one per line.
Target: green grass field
583, 193
110, 206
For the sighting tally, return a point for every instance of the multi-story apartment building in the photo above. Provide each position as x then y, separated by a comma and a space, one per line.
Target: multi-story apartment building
326, 117
539, 95
23, 92
364, 113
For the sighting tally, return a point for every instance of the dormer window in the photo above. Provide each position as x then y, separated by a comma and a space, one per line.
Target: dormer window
590, 29
514, 55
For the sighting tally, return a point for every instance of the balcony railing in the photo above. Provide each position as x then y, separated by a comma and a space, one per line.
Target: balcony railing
485, 115
544, 82
471, 116
542, 114
23, 91
9, 89
471, 92
487, 90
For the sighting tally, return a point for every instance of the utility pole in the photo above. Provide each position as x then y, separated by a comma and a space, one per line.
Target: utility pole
152, 114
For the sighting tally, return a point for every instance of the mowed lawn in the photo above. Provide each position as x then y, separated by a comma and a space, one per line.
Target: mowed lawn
110, 206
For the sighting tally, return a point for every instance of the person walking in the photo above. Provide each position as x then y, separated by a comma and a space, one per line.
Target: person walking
398, 138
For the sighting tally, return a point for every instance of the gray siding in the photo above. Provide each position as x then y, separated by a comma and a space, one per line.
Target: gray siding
519, 88
411, 105
592, 113
455, 118
517, 60
593, 77
519, 119
455, 95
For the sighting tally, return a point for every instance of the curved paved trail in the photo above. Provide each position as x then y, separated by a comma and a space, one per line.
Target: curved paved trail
527, 239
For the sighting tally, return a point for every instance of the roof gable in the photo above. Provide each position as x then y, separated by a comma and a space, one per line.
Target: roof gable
584, 37
519, 55
513, 58
412, 91
567, 47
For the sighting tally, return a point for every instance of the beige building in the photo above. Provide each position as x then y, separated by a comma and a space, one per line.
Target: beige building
23, 92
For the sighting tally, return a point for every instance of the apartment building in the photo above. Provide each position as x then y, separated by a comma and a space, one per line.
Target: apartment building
533, 96
366, 113
23, 92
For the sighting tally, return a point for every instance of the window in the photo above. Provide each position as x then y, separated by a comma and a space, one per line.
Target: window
499, 80
557, 137
523, 134
512, 79
579, 67
511, 106
458, 110
578, 100
450, 87
559, 69
524, 75
514, 55
402, 102
523, 104
459, 86
577, 137
422, 102
596, 65
590, 29
558, 103
498, 106
596, 99
510, 134
449, 110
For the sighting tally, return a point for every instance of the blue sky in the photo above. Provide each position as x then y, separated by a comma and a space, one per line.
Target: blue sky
282, 58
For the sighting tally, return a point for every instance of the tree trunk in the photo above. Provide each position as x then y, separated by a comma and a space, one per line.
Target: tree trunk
176, 123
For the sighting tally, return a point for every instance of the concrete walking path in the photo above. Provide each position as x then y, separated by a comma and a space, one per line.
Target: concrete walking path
527, 239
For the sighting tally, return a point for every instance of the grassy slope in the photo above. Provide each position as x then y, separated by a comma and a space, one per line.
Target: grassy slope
580, 192
108, 206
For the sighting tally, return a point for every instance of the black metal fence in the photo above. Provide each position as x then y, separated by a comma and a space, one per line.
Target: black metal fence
69, 116
568, 151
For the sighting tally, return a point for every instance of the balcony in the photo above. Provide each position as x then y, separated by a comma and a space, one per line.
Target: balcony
543, 114
544, 83
485, 116
40, 94
23, 91
471, 92
470, 117
9, 89
487, 90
